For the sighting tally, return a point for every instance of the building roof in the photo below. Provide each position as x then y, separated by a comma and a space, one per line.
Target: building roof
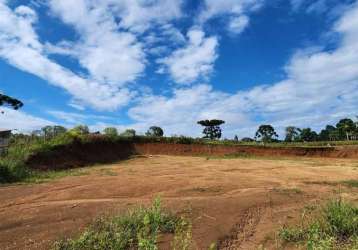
4, 130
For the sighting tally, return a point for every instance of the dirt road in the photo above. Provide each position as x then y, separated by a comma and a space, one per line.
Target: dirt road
239, 203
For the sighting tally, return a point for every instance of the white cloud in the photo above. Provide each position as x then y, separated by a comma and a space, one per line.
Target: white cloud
321, 87
238, 24
20, 46
71, 118
110, 55
194, 61
13, 119
236, 12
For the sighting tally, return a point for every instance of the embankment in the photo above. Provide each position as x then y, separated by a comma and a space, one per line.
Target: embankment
80, 154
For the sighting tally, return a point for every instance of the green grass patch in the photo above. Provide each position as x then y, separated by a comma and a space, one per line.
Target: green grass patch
351, 183
139, 228
333, 226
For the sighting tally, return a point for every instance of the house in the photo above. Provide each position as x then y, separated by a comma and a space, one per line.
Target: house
4, 139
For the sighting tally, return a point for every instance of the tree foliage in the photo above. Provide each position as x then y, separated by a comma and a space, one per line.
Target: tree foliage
212, 128
52, 131
110, 131
11, 102
292, 133
80, 130
266, 133
346, 127
128, 133
307, 135
155, 131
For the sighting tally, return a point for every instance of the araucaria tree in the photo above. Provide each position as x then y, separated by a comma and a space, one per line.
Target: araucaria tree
155, 131
212, 128
266, 133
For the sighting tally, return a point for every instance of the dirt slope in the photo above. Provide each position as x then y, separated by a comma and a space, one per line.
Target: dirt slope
239, 203
99, 150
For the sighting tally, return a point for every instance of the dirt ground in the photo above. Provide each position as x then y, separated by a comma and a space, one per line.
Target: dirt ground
239, 203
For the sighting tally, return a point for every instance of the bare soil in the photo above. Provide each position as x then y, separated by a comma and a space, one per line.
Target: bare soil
237, 203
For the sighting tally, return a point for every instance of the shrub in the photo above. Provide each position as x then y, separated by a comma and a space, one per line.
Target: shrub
335, 227
137, 229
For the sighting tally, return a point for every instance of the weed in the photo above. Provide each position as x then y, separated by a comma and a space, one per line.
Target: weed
334, 227
351, 183
288, 191
137, 229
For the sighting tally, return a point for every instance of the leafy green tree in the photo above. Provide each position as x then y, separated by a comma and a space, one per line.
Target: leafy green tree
346, 128
110, 131
11, 102
52, 131
128, 133
327, 134
266, 133
80, 130
59, 130
155, 131
292, 133
212, 128
307, 135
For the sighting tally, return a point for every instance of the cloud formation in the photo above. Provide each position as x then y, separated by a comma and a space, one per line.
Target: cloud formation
320, 87
194, 61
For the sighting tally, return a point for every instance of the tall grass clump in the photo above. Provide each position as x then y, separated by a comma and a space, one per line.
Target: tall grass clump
13, 164
137, 229
335, 226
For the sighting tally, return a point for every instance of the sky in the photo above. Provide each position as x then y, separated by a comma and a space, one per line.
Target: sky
170, 63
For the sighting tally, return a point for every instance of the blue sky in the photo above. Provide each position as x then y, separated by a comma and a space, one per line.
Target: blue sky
138, 63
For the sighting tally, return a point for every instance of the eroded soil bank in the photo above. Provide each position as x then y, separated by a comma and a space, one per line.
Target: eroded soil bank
101, 151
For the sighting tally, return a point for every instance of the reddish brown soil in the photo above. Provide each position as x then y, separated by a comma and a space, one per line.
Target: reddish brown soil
102, 151
239, 203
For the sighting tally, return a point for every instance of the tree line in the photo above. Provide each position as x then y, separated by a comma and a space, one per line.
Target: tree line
345, 129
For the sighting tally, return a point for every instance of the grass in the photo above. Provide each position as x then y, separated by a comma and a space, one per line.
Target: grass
288, 191
348, 183
139, 228
333, 226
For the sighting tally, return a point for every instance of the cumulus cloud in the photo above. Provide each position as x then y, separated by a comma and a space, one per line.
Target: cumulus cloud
20, 46
194, 61
21, 121
321, 86
235, 11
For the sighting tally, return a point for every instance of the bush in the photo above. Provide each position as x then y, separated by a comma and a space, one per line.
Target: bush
335, 227
138, 229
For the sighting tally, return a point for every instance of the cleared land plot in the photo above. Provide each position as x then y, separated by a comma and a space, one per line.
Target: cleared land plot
239, 203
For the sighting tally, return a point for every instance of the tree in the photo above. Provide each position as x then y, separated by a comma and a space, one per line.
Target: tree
346, 128
266, 133
59, 130
52, 131
155, 131
212, 128
80, 130
47, 131
292, 133
128, 133
11, 102
308, 135
110, 131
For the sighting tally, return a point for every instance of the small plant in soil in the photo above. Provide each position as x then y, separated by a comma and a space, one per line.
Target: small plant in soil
334, 226
137, 229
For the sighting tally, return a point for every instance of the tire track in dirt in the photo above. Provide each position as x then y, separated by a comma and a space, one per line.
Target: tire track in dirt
242, 231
